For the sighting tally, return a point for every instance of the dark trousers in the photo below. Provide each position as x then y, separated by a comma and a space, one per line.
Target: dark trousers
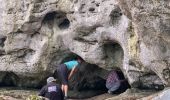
63, 73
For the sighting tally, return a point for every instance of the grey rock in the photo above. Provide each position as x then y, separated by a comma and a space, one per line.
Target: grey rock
131, 35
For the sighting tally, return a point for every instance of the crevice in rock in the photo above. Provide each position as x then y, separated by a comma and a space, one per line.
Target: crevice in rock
97, 4
91, 9
2, 40
2, 43
124, 82
25, 53
81, 9
8, 79
150, 81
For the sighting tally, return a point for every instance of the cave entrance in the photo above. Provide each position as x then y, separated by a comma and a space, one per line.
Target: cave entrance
90, 79
124, 85
114, 58
8, 79
87, 82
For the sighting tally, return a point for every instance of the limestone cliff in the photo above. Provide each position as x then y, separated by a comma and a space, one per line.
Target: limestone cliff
132, 35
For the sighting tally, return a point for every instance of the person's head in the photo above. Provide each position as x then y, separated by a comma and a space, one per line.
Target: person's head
51, 79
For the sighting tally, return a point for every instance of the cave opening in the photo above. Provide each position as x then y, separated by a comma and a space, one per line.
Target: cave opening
124, 85
8, 79
64, 24
87, 81
114, 57
90, 79
56, 19
50, 16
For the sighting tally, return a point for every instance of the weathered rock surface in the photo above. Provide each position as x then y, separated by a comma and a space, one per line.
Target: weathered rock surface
163, 95
150, 22
134, 94
132, 35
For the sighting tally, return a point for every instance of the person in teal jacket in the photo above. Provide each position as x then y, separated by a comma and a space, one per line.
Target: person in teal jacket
63, 73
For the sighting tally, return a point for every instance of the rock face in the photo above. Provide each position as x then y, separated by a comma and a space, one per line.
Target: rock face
150, 22
132, 35
163, 95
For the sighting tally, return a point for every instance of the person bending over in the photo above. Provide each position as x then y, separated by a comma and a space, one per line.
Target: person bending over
65, 72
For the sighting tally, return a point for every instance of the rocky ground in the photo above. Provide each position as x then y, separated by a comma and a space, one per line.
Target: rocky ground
15, 94
130, 94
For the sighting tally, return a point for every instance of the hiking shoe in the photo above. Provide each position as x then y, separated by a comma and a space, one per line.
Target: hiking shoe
109, 92
65, 98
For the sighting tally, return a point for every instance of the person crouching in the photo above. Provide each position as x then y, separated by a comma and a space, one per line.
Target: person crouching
51, 90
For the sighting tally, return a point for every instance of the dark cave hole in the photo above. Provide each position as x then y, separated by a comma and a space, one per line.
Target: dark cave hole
87, 79
91, 9
150, 81
114, 56
124, 82
97, 4
115, 15
64, 24
57, 18
2, 40
2, 43
50, 16
9, 79
90, 79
